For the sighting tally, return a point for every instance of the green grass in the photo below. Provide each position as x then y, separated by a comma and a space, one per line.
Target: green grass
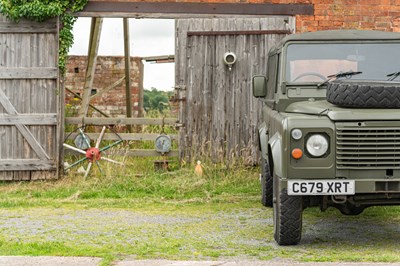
136, 182
137, 211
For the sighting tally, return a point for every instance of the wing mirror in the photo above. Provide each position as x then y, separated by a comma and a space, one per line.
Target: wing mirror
259, 84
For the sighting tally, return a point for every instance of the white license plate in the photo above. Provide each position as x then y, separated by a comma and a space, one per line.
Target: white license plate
321, 187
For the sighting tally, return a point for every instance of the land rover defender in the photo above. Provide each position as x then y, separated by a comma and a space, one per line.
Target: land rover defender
330, 135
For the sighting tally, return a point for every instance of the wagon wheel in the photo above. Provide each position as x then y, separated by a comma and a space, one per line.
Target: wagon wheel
92, 154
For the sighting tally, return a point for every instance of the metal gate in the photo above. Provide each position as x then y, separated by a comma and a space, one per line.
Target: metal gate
219, 114
30, 107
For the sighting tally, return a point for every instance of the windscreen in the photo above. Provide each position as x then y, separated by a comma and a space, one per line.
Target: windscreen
314, 62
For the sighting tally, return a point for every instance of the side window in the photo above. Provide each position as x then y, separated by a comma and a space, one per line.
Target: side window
272, 69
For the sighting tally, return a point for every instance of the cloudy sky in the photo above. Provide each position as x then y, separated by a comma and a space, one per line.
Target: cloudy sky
148, 37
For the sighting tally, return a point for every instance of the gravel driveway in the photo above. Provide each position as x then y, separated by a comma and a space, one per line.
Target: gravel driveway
235, 236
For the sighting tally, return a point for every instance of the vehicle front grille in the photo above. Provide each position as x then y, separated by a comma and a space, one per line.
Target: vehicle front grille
367, 147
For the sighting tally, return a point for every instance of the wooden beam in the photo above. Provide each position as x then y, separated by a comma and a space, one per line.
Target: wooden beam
29, 73
141, 90
238, 32
133, 153
112, 86
119, 121
180, 10
26, 164
124, 136
90, 105
95, 33
28, 26
128, 92
144, 153
28, 119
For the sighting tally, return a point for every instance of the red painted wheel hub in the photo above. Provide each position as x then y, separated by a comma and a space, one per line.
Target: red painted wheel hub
93, 154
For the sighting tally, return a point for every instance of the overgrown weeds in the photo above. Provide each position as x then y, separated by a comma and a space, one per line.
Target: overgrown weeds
138, 181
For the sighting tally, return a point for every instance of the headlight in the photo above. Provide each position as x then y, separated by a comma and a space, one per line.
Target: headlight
317, 145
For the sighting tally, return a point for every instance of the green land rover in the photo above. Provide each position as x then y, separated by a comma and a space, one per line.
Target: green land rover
330, 135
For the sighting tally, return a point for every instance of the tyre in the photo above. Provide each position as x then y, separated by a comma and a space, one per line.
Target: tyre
266, 184
350, 210
364, 94
288, 214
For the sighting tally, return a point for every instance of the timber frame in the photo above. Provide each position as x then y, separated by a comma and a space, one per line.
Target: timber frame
99, 9
140, 9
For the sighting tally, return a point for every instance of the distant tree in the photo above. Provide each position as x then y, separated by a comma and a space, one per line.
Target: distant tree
155, 100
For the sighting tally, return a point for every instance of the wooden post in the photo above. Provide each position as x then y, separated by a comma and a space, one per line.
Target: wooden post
141, 92
127, 71
94, 41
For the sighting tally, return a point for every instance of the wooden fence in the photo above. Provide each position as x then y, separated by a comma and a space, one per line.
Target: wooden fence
92, 121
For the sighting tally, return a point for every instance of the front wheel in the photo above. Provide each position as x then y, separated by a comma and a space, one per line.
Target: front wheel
288, 212
266, 184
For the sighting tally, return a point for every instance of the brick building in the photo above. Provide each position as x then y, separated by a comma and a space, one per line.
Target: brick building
109, 69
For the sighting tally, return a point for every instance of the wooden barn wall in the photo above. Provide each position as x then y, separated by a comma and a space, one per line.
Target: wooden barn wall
29, 100
219, 113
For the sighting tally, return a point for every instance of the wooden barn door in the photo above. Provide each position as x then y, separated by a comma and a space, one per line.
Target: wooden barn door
220, 114
29, 100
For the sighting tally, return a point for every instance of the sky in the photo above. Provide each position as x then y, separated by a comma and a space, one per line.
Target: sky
148, 37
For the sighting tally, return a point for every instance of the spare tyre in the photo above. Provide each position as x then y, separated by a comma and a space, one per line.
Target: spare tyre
364, 94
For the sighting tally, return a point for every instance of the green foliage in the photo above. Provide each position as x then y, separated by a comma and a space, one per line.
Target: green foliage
41, 10
154, 100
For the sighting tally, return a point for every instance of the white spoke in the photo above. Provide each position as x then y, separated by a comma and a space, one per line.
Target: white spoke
88, 169
84, 137
103, 130
111, 160
74, 149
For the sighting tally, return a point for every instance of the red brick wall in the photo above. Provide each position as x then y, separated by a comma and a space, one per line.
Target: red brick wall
328, 14
351, 14
109, 69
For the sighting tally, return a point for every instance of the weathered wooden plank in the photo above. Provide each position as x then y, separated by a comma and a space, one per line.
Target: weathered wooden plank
118, 121
219, 106
128, 83
135, 153
29, 104
28, 73
90, 105
22, 128
26, 164
172, 9
145, 153
25, 26
43, 175
94, 42
28, 119
124, 136
237, 32
106, 89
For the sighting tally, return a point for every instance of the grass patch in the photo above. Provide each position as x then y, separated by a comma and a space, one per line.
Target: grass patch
137, 181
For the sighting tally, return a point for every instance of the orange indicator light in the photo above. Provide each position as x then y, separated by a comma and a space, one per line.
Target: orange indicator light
297, 153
